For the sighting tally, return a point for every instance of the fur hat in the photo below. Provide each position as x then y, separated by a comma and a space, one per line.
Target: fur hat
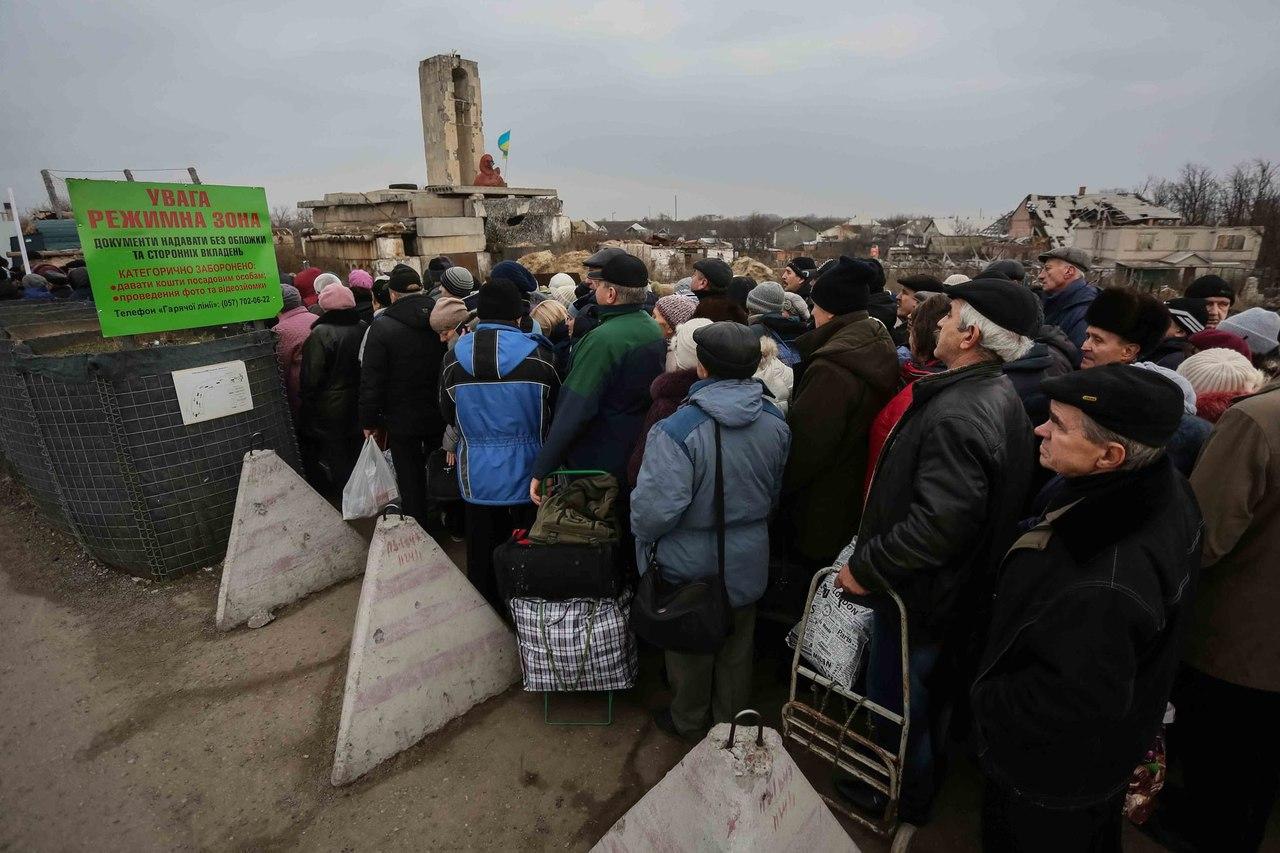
1139, 318
1220, 370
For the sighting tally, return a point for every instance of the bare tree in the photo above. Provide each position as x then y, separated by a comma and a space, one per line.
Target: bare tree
1196, 194
1156, 190
294, 218
1246, 190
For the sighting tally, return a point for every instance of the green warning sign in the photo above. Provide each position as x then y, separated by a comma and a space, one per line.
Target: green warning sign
176, 256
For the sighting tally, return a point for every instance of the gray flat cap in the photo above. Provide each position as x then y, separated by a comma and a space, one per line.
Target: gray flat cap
1076, 257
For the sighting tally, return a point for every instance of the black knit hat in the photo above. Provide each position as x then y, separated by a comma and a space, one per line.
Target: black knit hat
845, 286
921, 283
404, 279
719, 274
499, 300
1138, 404
878, 283
1008, 305
739, 287
802, 265
728, 350
1139, 318
1190, 313
1207, 286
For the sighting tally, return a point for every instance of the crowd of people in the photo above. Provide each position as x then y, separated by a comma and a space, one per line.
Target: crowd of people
1074, 491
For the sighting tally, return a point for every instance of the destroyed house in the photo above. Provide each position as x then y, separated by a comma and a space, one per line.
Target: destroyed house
1052, 218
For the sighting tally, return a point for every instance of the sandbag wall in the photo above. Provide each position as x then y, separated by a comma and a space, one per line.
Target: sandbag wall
99, 440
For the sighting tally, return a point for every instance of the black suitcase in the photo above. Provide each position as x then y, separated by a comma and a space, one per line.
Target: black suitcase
556, 572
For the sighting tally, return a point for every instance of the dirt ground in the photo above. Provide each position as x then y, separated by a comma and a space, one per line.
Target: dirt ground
128, 723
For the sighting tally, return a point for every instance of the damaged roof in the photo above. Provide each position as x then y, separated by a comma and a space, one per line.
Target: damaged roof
1057, 215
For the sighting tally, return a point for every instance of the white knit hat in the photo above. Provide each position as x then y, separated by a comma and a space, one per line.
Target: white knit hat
1220, 370
957, 278
561, 279
324, 280
683, 350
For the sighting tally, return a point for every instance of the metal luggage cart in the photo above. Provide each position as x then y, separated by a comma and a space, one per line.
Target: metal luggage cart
826, 724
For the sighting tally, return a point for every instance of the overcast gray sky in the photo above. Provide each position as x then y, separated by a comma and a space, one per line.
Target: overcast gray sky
825, 107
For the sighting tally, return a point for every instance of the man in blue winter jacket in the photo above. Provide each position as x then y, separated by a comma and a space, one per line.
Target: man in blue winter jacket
498, 388
673, 510
1067, 295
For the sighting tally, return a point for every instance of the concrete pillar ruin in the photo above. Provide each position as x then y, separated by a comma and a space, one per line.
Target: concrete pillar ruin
452, 123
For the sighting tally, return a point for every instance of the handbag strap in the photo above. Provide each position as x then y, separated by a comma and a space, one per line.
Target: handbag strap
719, 506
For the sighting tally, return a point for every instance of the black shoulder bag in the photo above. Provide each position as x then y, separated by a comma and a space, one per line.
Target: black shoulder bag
693, 617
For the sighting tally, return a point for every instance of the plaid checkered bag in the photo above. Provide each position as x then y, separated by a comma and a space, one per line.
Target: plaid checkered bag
578, 644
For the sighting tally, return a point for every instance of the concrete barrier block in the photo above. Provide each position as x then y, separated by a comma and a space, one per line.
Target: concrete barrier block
748, 798
426, 648
286, 542
432, 246
450, 226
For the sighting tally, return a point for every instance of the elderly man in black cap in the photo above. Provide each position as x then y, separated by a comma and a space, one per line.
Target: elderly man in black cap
586, 311
711, 280
1091, 606
674, 514
1218, 297
941, 508
399, 372
1066, 292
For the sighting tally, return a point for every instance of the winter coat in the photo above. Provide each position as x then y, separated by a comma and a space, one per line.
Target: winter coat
882, 306
401, 370
946, 496
586, 315
779, 379
1061, 350
1026, 374
850, 371
561, 345
291, 333
1067, 308
668, 391
783, 328
1171, 352
604, 398
498, 385
1184, 447
674, 500
1237, 481
1088, 622
893, 411
364, 303
330, 389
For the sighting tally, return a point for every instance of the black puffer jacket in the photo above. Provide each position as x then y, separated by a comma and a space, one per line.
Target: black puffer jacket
330, 376
1086, 635
1171, 352
364, 303
882, 306
945, 498
401, 370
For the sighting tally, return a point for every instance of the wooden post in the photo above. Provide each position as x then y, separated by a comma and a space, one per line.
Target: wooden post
128, 175
191, 170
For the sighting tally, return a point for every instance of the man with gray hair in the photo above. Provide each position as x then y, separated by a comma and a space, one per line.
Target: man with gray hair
942, 506
1089, 617
1067, 295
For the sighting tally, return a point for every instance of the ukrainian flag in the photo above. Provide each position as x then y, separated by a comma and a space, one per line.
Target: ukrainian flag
504, 142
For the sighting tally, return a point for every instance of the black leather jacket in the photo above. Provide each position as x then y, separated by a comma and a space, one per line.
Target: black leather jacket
945, 498
1086, 634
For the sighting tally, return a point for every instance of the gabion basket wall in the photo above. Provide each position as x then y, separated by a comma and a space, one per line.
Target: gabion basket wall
139, 489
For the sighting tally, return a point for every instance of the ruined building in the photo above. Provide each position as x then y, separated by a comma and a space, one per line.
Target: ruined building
473, 225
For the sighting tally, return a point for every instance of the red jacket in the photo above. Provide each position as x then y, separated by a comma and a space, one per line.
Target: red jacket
892, 413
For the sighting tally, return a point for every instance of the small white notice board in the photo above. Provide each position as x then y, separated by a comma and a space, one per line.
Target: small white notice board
213, 391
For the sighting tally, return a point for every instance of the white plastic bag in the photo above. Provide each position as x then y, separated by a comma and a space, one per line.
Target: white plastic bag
838, 632
371, 486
